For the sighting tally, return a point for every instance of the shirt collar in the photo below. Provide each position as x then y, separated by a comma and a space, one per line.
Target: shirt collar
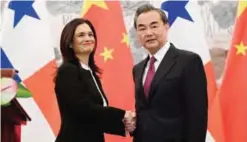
84, 66
161, 52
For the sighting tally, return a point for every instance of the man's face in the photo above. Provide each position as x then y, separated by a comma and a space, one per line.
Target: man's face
151, 31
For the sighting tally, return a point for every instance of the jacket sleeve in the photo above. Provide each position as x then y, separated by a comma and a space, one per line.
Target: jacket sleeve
69, 90
136, 105
195, 100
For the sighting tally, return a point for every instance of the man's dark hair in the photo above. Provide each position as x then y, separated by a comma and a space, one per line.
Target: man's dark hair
147, 8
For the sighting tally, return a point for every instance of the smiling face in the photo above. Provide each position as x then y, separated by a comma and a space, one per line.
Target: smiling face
151, 31
83, 40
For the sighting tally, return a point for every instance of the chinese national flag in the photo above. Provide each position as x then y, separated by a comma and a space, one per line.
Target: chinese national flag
113, 55
233, 92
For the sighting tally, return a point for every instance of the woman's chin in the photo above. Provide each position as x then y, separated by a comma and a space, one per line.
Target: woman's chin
87, 49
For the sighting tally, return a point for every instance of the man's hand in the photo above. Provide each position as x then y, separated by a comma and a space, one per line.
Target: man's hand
130, 121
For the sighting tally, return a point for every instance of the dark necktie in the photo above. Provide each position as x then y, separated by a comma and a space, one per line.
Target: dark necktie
149, 77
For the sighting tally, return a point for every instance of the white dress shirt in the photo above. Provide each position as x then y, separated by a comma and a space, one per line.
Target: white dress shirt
86, 67
159, 55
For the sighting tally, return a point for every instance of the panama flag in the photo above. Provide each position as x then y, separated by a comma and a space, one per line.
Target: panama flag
26, 46
186, 32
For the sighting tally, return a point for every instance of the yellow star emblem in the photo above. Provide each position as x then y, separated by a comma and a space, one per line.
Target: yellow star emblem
242, 5
125, 39
241, 49
87, 4
107, 54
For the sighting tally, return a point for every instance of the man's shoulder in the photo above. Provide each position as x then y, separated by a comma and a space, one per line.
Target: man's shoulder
185, 54
139, 64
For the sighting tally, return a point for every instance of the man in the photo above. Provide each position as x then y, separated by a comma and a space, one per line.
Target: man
170, 85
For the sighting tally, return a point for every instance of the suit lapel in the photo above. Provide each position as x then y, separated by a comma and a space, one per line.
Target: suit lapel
165, 66
139, 77
101, 88
87, 77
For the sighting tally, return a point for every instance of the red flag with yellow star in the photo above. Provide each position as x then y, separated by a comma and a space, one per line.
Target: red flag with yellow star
233, 92
113, 54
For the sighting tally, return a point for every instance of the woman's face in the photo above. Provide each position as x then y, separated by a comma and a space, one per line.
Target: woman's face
83, 40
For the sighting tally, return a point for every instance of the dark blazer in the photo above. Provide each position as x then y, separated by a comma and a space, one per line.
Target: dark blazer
176, 107
83, 117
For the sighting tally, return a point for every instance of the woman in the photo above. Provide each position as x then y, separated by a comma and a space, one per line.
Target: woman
85, 114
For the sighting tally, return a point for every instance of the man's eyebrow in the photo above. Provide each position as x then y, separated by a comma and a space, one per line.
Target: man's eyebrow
155, 22
140, 25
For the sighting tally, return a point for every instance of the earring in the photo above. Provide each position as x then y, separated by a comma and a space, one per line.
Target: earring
70, 46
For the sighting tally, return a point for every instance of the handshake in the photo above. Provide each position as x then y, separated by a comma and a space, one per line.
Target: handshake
130, 121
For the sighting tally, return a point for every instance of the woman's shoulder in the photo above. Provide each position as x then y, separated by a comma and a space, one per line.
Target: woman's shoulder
67, 66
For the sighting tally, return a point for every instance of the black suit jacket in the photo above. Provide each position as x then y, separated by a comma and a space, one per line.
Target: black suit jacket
83, 117
176, 107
